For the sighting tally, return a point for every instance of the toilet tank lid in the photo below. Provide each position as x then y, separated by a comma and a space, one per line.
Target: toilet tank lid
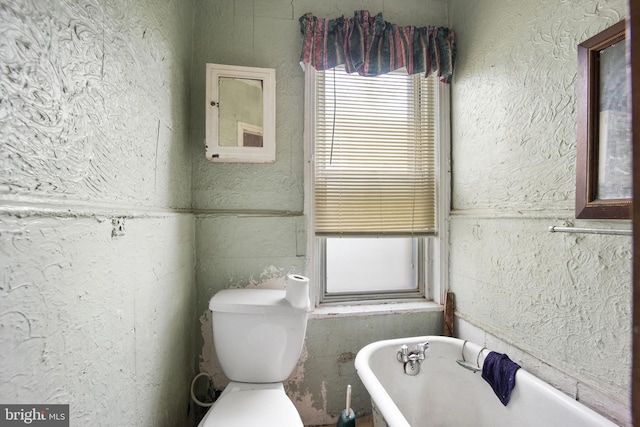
257, 301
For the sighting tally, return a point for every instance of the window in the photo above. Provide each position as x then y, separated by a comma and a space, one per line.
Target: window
374, 177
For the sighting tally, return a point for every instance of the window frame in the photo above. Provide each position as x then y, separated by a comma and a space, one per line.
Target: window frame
434, 265
422, 245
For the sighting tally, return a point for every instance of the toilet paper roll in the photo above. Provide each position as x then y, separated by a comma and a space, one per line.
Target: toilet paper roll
297, 292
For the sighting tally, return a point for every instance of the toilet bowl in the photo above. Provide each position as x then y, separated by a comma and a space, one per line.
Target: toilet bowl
258, 336
258, 405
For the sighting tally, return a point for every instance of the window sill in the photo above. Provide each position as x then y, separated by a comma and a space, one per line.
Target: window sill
352, 310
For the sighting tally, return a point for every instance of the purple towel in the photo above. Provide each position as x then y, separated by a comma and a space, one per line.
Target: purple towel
500, 372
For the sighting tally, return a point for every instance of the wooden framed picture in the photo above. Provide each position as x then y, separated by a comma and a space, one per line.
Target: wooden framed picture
604, 167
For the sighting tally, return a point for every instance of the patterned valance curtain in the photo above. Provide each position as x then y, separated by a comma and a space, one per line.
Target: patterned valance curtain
371, 46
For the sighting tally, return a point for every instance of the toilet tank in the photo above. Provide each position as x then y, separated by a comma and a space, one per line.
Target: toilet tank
258, 335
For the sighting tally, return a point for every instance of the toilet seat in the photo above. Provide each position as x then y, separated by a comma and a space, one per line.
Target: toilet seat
252, 405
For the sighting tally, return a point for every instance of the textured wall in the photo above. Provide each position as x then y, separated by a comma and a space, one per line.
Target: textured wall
98, 90
93, 124
97, 322
564, 299
250, 226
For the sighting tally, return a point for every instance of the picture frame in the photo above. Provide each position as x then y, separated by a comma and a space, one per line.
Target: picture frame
603, 149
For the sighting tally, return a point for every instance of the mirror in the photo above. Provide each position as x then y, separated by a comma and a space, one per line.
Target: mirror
240, 119
603, 149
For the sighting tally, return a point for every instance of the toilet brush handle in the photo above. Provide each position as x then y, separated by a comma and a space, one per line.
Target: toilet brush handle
348, 399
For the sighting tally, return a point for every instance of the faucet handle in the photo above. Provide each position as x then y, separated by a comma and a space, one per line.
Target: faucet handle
403, 354
421, 348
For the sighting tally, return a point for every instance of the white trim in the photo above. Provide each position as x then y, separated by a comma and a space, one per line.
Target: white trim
440, 253
519, 212
84, 209
388, 307
309, 178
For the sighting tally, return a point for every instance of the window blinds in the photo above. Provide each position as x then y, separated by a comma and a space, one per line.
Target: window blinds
375, 154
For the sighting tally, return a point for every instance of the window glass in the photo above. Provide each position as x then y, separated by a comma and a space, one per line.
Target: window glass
371, 264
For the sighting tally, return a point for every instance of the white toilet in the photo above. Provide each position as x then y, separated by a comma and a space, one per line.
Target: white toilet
258, 335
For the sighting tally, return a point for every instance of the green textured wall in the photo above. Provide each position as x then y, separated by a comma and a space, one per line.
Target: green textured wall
94, 125
560, 302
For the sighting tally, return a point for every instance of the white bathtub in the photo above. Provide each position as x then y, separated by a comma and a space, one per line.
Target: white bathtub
445, 394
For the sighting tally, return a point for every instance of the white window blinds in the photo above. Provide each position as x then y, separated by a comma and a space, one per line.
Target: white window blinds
375, 154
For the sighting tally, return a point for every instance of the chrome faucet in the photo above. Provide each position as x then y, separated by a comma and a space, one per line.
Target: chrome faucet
412, 359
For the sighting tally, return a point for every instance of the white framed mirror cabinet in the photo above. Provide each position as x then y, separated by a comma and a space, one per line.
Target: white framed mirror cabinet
240, 114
